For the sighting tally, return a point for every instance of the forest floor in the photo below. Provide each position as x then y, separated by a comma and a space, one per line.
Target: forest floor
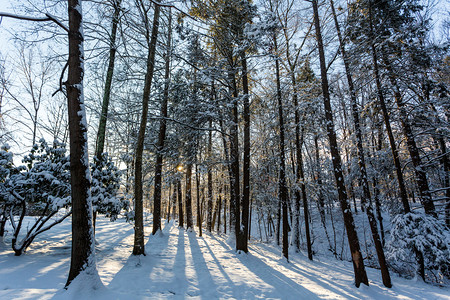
180, 265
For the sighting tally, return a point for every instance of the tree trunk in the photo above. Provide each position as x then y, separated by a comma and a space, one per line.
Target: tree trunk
283, 192
358, 264
101, 134
301, 178
188, 197
139, 248
162, 134
210, 183
83, 251
242, 240
199, 211
180, 205
234, 158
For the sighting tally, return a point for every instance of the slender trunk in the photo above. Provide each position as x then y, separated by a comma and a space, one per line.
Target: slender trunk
320, 199
219, 208
301, 178
139, 247
282, 176
225, 212
358, 264
162, 134
188, 197
180, 205
234, 158
242, 240
83, 251
199, 212
361, 160
101, 134
376, 190
210, 184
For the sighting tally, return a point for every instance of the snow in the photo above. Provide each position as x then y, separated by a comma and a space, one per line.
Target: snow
181, 265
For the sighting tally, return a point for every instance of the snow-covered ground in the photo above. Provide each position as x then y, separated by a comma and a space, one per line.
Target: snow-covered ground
181, 265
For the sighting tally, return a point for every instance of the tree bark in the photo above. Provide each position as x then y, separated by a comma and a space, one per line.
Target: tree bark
139, 247
234, 158
162, 134
188, 197
209, 221
180, 204
101, 134
242, 240
83, 251
283, 192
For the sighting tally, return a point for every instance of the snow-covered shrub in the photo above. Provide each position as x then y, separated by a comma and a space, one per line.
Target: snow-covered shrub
42, 189
417, 237
7, 169
105, 186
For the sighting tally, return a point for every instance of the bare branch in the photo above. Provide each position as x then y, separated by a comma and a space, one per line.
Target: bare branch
49, 17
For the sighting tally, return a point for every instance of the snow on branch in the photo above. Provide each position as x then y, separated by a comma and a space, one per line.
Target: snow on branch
48, 17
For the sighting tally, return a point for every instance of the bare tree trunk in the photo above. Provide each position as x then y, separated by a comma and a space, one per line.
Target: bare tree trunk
282, 176
301, 177
162, 134
358, 264
188, 197
180, 205
83, 251
242, 240
199, 211
210, 183
219, 208
235, 218
139, 247
101, 134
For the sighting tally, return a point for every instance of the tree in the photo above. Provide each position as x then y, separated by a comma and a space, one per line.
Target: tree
162, 132
83, 248
353, 241
139, 247
361, 158
83, 252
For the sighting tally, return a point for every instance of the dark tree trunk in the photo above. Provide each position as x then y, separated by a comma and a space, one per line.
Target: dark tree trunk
219, 208
101, 134
162, 134
387, 122
358, 264
235, 218
361, 161
283, 192
139, 247
210, 183
180, 205
242, 239
83, 251
199, 211
188, 197
301, 178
